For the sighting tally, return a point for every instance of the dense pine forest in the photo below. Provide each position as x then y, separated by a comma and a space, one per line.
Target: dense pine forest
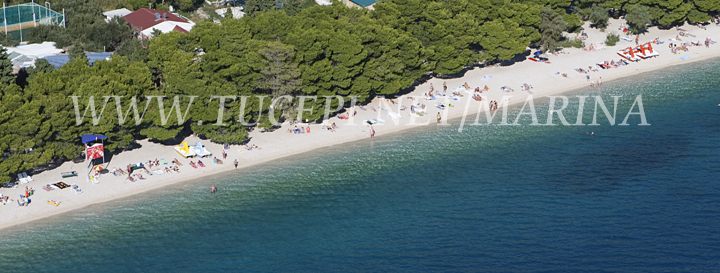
297, 48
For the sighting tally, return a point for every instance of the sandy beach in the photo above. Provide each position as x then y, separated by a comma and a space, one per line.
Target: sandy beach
546, 79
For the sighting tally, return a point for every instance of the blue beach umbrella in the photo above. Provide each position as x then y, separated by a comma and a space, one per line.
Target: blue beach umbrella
87, 138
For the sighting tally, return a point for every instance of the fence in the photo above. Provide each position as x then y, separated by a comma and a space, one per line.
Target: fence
29, 15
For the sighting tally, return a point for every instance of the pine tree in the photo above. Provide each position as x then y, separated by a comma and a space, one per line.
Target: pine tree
552, 26
280, 74
6, 68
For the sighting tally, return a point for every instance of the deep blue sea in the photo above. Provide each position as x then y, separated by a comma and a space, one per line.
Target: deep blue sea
488, 199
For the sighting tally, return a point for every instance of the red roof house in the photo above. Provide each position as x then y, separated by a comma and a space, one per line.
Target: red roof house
145, 21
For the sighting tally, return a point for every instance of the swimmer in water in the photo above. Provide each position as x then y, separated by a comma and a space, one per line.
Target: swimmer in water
213, 189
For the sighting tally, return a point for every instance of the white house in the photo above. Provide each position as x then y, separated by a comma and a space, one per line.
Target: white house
110, 14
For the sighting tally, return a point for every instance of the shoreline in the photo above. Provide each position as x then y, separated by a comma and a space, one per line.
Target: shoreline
279, 144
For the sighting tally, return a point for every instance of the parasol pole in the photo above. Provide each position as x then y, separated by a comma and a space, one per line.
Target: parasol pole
4, 18
103, 143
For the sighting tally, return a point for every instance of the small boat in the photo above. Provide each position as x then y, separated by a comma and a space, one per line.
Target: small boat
68, 174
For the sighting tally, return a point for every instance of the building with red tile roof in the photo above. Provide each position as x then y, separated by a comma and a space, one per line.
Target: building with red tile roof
146, 21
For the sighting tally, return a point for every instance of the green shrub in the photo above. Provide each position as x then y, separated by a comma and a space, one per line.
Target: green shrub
612, 39
576, 43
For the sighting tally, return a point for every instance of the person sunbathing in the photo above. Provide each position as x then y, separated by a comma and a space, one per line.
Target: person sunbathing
201, 164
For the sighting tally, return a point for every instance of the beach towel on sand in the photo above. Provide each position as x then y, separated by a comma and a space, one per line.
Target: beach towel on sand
61, 185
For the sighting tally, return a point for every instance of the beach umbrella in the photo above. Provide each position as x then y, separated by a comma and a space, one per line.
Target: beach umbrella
87, 138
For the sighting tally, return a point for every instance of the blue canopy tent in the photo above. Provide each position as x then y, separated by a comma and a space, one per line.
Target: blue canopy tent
87, 138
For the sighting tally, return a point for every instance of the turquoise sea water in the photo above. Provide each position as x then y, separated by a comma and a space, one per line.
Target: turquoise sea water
489, 199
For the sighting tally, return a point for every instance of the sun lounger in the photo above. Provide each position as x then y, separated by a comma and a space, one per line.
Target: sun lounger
23, 178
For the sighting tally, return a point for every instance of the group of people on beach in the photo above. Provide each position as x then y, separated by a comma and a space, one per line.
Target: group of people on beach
150, 167
299, 130
23, 199
675, 48
677, 45
332, 127
477, 95
613, 64
251, 147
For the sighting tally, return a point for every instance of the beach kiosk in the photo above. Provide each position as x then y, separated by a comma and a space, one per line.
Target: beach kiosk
94, 152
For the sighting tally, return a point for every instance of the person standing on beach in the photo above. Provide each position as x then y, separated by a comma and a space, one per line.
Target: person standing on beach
439, 117
236, 163
372, 132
